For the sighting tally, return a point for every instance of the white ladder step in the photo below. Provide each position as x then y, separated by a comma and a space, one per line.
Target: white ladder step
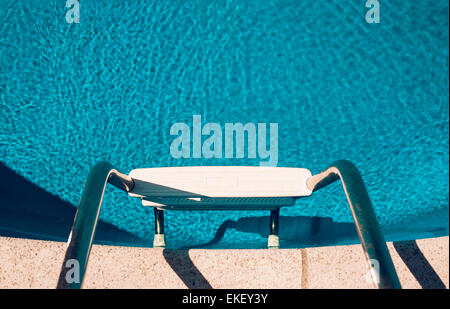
220, 181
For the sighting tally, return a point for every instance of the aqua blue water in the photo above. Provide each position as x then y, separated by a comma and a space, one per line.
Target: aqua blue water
110, 88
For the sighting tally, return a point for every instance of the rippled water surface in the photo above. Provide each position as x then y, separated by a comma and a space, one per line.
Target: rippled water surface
110, 88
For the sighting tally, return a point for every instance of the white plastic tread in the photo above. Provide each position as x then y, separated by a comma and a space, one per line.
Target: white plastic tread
204, 187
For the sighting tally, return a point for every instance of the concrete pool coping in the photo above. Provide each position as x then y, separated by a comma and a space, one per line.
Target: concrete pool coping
29, 263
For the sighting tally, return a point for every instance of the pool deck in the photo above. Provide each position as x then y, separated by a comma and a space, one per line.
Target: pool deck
36, 264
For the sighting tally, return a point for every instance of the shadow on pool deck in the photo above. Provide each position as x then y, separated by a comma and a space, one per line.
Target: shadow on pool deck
418, 265
182, 265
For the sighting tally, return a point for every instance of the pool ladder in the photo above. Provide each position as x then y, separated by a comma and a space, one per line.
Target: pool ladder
372, 240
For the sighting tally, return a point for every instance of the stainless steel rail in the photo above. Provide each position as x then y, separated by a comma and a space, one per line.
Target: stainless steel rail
369, 233
83, 229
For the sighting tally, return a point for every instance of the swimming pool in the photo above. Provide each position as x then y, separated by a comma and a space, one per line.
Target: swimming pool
111, 87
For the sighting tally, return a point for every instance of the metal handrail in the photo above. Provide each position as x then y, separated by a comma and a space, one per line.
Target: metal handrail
83, 229
369, 233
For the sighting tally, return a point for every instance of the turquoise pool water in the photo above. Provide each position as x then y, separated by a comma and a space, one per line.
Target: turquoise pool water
110, 88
